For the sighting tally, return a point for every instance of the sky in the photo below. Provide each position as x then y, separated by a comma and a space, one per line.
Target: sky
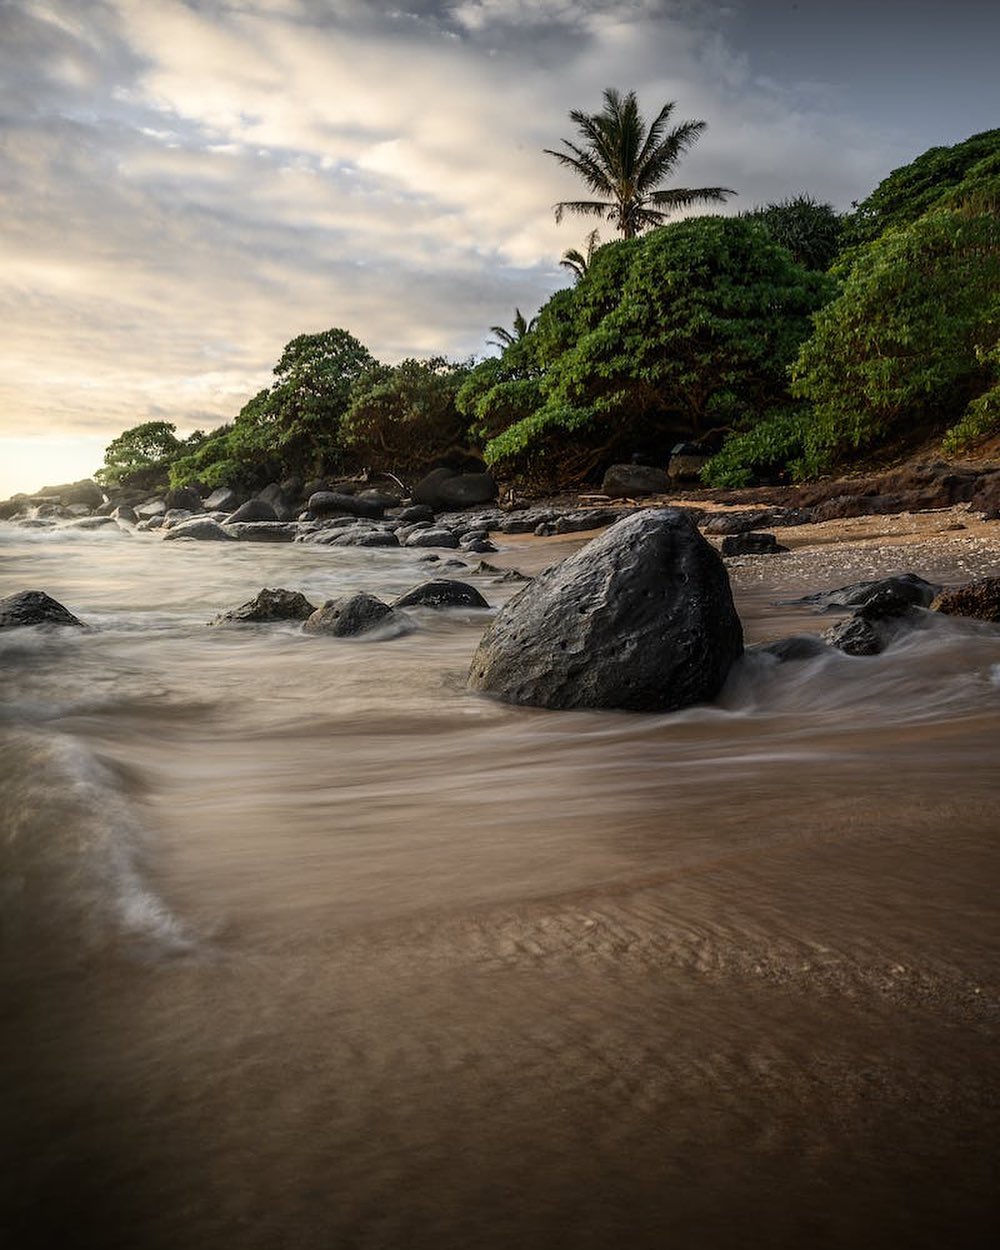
186, 185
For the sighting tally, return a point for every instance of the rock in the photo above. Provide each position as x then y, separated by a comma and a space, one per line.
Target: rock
431, 538
351, 615
274, 494
979, 600
92, 523
252, 510
184, 497
77, 510
477, 546
465, 490
361, 538
263, 531
151, 508
174, 516
986, 498
786, 650
327, 502
427, 490
752, 543
202, 528
736, 522
381, 498
906, 586
642, 619
86, 492
878, 622
441, 593
269, 605
631, 481
34, 607
124, 513
415, 512
484, 569
150, 523
686, 466
222, 500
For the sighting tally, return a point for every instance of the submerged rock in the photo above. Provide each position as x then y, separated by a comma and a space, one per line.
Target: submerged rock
642, 619
351, 615
880, 620
441, 593
906, 586
269, 605
34, 607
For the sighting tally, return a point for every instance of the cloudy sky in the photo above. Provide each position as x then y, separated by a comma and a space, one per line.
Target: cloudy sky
185, 185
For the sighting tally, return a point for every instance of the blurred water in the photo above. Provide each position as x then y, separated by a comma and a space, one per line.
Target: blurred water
306, 946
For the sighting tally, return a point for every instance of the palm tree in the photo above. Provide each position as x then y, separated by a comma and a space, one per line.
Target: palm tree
579, 262
624, 162
504, 337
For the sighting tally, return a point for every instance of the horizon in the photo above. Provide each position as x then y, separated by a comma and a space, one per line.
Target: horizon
193, 184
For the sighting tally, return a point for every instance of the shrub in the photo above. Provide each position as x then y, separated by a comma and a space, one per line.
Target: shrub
769, 450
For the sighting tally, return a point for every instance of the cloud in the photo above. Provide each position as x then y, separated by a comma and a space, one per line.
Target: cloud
190, 185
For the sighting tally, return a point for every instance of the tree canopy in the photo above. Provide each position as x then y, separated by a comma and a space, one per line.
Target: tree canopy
625, 162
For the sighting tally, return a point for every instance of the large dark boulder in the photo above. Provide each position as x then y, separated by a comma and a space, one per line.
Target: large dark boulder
184, 497
269, 605
34, 607
329, 502
631, 481
430, 538
441, 593
642, 618
253, 510
979, 600
221, 500
466, 490
85, 492
428, 489
351, 615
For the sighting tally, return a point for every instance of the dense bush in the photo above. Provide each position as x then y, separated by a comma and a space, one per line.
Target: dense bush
902, 349
911, 190
403, 417
770, 451
811, 231
664, 327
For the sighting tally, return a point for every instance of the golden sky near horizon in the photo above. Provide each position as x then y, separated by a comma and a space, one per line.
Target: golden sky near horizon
188, 184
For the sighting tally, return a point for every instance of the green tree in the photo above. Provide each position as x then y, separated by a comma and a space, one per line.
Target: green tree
578, 262
403, 417
625, 162
811, 231
688, 327
912, 189
908, 343
145, 450
504, 337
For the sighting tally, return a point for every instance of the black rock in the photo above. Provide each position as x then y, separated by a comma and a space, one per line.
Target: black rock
441, 593
736, 522
642, 618
221, 500
631, 481
327, 502
34, 607
362, 538
752, 543
415, 512
263, 531
428, 489
202, 528
785, 650
269, 605
484, 569
466, 490
252, 510
431, 538
906, 586
880, 620
351, 615
184, 497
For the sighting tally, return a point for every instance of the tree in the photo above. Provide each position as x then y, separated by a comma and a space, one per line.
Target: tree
403, 417
579, 262
811, 231
625, 163
912, 189
144, 450
504, 337
907, 345
688, 327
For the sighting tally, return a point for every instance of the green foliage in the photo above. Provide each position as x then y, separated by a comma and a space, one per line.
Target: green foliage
142, 449
624, 161
404, 417
761, 454
809, 230
981, 419
666, 327
902, 348
911, 190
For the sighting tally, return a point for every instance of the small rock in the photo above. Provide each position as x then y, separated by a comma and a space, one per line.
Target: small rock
253, 510
270, 605
34, 607
431, 538
351, 615
979, 600
631, 481
201, 528
752, 543
441, 593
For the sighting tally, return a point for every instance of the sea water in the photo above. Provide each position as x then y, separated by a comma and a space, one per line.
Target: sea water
303, 945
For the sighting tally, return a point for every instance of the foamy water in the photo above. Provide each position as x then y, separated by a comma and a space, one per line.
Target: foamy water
307, 946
